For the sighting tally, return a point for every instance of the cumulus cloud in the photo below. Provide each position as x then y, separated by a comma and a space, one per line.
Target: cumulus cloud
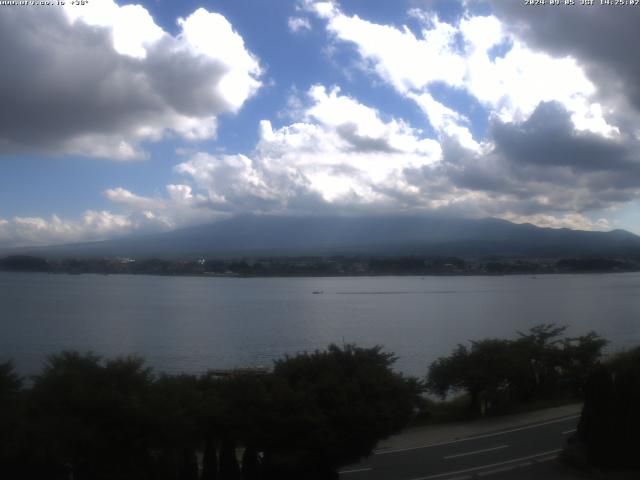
558, 146
102, 79
580, 33
340, 152
345, 156
543, 166
94, 225
178, 207
463, 56
340, 155
548, 138
447, 122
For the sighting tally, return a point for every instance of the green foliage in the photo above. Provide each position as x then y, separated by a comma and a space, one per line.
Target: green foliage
172, 408
335, 405
482, 371
113, 420
88, 416
10, 382
10, 412
498, 373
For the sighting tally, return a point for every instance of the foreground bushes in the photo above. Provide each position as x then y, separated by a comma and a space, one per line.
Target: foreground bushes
114, 419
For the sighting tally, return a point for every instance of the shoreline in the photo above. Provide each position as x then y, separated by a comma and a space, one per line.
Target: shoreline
337, 275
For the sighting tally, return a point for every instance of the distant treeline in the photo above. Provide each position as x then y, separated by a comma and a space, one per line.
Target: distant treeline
84, 417
319, 266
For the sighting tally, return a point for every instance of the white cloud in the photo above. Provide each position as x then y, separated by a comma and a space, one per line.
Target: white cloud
343, 156
94, 225
179, 207
298, 24
103, 79
574, 221
461, 56
130, 201
231, 182
398, 56
445, 121
343, 150
340, 154
211, 35
133, 29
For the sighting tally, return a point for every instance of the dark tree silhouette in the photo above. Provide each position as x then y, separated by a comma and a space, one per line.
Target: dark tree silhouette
250, 464
330, 408
610, 419
210, 460
229, 467
88, 417
24, 263
496, 373
482, 371
173, 404
11, 417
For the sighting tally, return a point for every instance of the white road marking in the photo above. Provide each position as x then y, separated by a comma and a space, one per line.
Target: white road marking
491, 465
487, 435
475, 452
356, 470
567, 432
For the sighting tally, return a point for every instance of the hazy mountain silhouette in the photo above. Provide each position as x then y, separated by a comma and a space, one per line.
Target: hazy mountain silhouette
254, 235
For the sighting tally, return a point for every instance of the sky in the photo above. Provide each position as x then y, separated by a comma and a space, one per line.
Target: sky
119, 118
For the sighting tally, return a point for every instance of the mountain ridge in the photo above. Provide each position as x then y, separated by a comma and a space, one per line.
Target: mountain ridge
273, 235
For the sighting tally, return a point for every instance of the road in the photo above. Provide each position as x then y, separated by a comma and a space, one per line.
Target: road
479, 456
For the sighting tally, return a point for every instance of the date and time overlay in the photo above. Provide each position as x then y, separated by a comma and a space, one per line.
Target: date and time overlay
532, 3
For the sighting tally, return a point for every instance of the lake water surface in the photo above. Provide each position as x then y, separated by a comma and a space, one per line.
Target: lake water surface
191, 324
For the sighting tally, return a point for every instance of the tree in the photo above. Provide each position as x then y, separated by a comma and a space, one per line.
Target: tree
11, 416
483, 371
173, 407
231, 413
496, 373
581, 355
330, 408
88, 418
540, 358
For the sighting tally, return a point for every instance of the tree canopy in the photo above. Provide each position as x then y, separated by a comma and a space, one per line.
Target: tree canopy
537, 364
101, 419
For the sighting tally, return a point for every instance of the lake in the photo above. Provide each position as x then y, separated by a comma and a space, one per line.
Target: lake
191, 324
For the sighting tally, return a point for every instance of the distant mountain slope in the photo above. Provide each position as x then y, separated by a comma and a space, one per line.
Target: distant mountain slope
398, 235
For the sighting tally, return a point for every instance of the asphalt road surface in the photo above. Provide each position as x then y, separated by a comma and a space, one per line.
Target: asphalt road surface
486, 455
